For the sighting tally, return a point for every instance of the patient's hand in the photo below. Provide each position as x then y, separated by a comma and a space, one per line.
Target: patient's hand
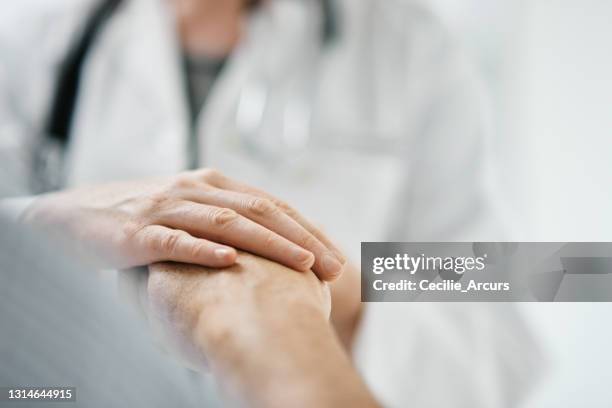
263, 330
195, 307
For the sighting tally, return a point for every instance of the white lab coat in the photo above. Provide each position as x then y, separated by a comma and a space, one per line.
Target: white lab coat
381, 133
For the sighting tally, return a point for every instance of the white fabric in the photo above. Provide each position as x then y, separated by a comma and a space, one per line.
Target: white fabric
395, 150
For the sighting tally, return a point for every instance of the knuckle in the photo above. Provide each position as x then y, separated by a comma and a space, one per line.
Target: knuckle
261, 207
127, 236
129, 230
270, 240
223, 217
156, 202
196, 251
168, 243
284, 207
189, 211
308, 241
183, 181
211, 175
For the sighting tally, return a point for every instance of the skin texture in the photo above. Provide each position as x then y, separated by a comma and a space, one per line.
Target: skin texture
262, 329
209, 27
196, 217
346, 304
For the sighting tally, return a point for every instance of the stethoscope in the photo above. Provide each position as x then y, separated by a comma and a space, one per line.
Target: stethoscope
268, 125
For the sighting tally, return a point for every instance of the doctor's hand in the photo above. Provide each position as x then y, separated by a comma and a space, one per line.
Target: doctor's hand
198, 217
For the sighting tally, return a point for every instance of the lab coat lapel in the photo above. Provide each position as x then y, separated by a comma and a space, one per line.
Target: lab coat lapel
132, 119
278, 38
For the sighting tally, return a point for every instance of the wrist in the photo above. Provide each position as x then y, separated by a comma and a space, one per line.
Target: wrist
248, 331
291, 360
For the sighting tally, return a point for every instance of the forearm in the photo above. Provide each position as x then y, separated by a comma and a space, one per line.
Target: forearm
272, 363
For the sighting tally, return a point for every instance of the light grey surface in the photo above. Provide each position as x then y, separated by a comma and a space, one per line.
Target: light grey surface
60, 326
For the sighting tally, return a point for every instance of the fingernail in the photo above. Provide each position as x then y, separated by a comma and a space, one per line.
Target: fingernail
224, 253
330, 265
304, 258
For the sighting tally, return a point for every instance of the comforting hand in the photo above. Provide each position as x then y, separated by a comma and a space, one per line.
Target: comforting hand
196, 217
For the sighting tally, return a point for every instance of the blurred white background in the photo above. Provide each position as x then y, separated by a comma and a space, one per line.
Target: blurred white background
548, 68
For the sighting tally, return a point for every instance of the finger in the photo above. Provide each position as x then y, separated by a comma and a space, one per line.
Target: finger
220, 181
266, 213
226, 226
166, 244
